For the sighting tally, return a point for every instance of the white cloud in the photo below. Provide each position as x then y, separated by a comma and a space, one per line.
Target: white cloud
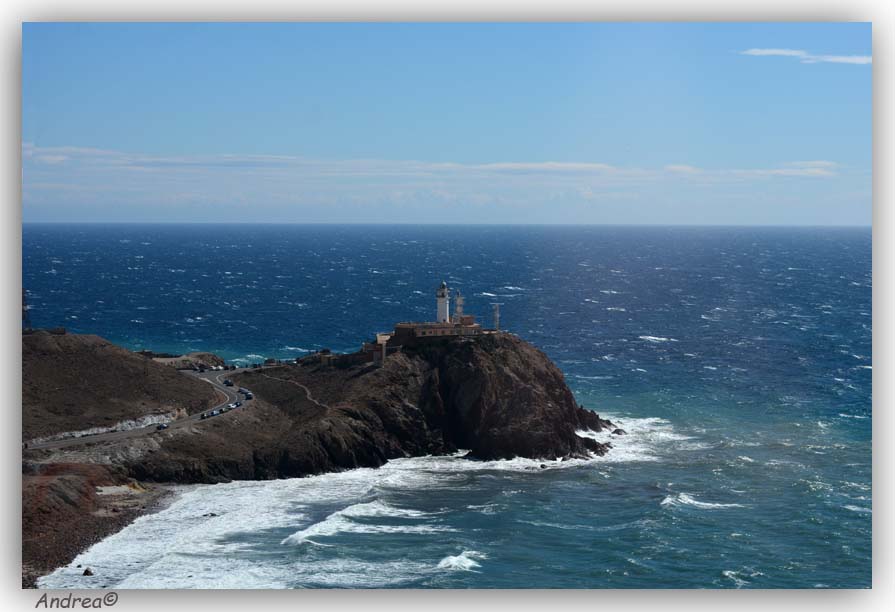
50, 159
74, 176
278, 167
784, 52
809, 58
807, 169
683, 169
816, 163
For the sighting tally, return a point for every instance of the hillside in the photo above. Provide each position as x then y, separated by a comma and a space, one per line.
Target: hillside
74, 382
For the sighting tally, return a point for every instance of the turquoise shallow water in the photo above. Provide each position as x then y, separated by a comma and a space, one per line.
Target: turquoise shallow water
738, 359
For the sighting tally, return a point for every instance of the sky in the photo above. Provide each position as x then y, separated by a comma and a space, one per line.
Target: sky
720, 124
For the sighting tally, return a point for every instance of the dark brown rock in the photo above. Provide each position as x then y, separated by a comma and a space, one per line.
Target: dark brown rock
497, 396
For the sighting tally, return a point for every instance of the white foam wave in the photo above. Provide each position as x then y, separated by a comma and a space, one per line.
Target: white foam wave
344, 521
465, 561
858, 509
657, 339
224, 524
644, 439
683, 499
735, 577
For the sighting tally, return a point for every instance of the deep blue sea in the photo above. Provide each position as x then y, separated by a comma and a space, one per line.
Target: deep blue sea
738, 359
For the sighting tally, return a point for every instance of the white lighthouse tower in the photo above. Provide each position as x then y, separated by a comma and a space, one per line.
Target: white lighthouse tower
443, 295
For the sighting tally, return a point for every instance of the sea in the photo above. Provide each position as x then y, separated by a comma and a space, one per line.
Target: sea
737, 359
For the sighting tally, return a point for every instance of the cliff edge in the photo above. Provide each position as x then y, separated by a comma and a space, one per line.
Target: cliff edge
495, 395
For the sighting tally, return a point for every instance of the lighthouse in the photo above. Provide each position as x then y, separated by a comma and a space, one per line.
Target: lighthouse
443, 296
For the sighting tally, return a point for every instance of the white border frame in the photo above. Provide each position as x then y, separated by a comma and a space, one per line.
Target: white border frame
882, 596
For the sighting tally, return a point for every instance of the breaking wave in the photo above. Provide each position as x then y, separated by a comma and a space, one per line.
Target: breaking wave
657, 339
683, 499
648, 439
346, 521
465, 561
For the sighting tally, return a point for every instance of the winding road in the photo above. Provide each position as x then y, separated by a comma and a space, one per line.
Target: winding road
214, 378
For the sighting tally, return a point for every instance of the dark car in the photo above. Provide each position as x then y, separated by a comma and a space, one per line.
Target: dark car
161, 426
228, 382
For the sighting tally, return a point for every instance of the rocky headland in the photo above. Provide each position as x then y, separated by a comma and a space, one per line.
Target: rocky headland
494, 395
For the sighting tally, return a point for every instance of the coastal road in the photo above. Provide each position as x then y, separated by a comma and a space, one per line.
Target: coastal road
216, 379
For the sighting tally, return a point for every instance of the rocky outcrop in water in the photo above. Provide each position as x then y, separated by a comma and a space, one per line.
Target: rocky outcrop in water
500, 397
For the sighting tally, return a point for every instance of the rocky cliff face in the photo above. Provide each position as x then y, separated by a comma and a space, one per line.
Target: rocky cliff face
497, 396
501, 397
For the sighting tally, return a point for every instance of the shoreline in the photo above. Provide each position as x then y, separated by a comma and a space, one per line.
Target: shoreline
162, 495
347, 416
113, 514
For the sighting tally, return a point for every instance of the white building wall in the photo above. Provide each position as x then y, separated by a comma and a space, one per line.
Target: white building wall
444, 309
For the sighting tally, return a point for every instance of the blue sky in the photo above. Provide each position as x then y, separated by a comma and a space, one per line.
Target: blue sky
448, 123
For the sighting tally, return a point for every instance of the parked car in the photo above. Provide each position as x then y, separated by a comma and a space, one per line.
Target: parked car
228, 382
249, 396
204, 415
161, 426
237, 404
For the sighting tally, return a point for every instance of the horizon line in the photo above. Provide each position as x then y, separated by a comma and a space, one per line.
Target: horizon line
438, 224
